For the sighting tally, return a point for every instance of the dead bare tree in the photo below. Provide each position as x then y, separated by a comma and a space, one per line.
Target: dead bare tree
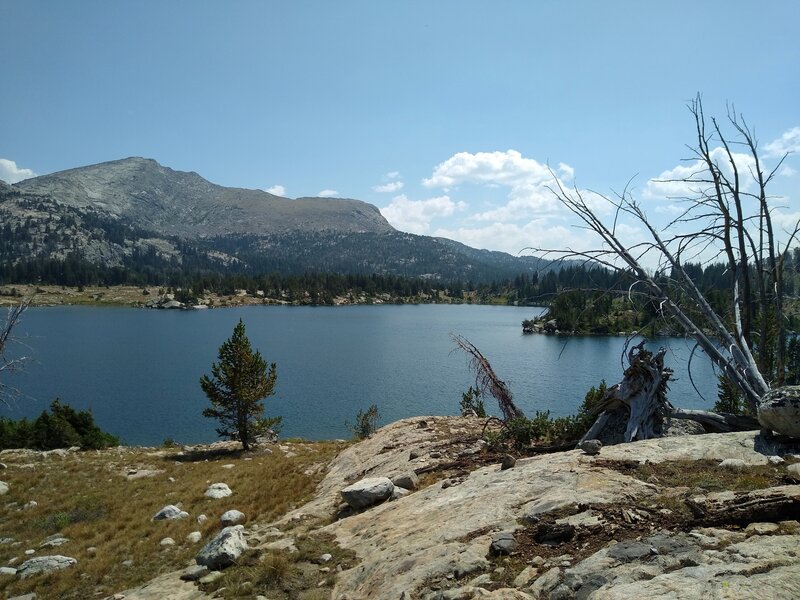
7, 364
486, 380
722, 212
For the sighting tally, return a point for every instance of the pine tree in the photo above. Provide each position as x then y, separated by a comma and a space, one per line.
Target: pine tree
238, 384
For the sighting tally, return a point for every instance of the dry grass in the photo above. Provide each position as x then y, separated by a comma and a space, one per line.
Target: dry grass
88, 498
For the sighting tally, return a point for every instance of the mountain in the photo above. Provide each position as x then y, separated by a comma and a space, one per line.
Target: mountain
136, 214
146, 195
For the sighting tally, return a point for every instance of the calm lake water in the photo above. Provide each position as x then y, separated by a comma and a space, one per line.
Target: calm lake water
138, 370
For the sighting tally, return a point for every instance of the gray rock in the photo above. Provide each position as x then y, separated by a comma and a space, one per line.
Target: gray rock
223, 550
3, 488
194, 572
508, 462
591, 447
407, 481
761, 528
194, 537
367, 492
31, 596
44, 564
398, 493
546, 582
775, 460
167, 541
218, 490
8, 571
232, 517
325, 557
54, 540
794, 469
779, 411
212, 577
502, 543
736, 464
169, 513
201, 519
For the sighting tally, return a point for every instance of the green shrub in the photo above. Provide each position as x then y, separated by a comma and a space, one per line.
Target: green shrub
366, 423
520, 433
62, 427
471, 404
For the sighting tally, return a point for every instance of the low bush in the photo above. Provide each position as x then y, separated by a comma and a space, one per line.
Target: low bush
62, 427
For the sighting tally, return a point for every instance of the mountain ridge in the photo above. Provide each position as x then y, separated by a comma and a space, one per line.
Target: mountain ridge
134, 213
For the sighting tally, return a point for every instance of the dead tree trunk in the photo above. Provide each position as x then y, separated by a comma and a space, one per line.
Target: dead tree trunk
769, 504
642, 391
486, 380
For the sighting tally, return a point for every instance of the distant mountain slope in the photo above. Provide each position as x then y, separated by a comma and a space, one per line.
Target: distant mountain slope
136, 214
149, 196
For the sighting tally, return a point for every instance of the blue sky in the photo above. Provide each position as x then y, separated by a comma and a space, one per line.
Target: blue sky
443, 114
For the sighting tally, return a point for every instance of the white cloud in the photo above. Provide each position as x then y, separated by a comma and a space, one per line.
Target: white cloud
328, 193
528, 180
788, 142
277, 190
689, 180
392, 186
787, 171
393, 174
505, 168
415, 216
11, 173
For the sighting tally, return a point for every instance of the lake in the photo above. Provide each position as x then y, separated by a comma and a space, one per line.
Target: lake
138, 370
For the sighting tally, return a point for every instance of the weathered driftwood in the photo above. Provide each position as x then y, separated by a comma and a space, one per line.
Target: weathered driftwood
642, 391
486, 380
770, 504
717, 422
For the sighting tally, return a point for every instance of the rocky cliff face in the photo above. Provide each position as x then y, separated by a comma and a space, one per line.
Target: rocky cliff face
146, 195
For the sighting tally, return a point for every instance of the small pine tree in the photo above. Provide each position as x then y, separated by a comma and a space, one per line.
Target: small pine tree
238, 384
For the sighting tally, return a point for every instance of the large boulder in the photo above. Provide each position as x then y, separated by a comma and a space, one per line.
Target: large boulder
779, 411
44, 564
367, 492
223, 550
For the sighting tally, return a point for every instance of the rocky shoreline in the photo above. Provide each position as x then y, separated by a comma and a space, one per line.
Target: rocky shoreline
424, 510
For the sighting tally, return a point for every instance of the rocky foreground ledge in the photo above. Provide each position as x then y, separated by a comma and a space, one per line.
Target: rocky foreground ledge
562, 526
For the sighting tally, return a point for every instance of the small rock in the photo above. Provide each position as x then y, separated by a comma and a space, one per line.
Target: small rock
413, 454
775, 460
398, 493
591, 447
30, 504
201, 519
3, 488
545, 583
228, 466
30, 552
54, 540
794, 469
169, 513
167, 541
194, 572
436, 454
481, 580
761, 528
407, 481
325, 557
91, 550
735, 464
31, 596
527, 575
218, 490
211, 577
194, 537
508, 462
3, 466
127, 563
44, 564
503, 543
232, 517
8, 571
